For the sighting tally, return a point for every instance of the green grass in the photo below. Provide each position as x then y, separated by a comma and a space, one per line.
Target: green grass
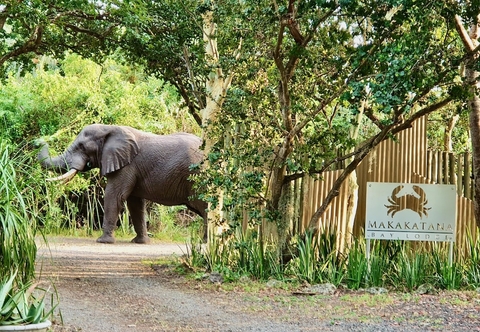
395, 265
17, 214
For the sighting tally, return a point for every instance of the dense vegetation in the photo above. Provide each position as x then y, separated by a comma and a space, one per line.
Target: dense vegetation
397, 265
278, 90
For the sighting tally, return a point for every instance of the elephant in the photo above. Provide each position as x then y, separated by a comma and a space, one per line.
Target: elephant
138, 166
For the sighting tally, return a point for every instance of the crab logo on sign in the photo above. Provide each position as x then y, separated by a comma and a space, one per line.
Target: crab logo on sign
415, 201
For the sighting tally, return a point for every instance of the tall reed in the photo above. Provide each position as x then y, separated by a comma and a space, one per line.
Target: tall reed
17, 223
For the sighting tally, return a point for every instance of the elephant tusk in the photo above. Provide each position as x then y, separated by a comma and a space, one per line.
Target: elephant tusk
65, 177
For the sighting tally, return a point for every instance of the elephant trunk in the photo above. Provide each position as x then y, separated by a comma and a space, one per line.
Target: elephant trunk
58, 164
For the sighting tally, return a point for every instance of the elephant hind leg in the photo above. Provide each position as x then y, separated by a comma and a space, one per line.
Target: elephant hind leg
136, 207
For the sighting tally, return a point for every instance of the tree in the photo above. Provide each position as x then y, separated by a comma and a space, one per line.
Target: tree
305, 71
471, 74
51, 27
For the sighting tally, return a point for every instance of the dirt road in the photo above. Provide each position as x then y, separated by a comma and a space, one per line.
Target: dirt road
108, 288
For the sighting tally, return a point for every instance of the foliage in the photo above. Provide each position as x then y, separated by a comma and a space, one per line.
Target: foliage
437, 128
413, 270
307, 76
397, 265
304, 73
19, 305
357, 268
472, 260
450, 276
17, 216
165, 36
51, 27
307, 258
58, 98
241, 255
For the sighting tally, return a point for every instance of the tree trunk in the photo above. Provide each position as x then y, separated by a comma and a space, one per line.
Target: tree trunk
475, 135
216, 87
352, 188
471, 78
447, 139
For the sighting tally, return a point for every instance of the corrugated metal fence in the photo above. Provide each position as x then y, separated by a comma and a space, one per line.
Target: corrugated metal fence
405, 159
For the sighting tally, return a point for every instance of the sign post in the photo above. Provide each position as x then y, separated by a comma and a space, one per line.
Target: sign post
410, 211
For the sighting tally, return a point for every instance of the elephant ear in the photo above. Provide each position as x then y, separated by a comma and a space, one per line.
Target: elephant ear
119, 149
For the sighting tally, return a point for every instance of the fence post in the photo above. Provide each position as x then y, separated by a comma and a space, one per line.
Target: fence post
439, 168
459, 175
446, 166
453, 178
429, 165
466, 176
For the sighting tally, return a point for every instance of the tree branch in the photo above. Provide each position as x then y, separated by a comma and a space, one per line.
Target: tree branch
406, 124
90, 32
464, 36
192, 108
31, 45
313, 224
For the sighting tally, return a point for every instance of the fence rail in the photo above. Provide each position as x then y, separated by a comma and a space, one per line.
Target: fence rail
448, 168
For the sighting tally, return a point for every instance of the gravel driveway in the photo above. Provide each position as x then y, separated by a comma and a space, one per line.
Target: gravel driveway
111, 288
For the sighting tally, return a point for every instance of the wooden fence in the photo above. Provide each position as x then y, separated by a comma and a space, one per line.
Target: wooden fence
406, 160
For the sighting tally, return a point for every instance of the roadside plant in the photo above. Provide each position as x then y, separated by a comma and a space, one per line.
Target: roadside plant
472, 265
378, 268
21, 304
357, 266
255, 257
19, 211
17, 225
307, 260
332, 270
411, 270
383, 255
241, 255
331, 261
447, 276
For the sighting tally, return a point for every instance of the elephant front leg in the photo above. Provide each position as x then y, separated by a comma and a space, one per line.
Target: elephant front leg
113, 205
136, 207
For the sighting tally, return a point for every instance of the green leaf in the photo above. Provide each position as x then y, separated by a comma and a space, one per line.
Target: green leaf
5, 289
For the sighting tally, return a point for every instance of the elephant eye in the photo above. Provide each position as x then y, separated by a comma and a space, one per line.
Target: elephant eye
89, 164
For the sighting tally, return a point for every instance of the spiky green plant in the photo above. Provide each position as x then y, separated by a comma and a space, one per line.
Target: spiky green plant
250, 254
17, 227
307, 257
412, 269
331, 262
20, 304
448, 275
357, 266
473, 263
